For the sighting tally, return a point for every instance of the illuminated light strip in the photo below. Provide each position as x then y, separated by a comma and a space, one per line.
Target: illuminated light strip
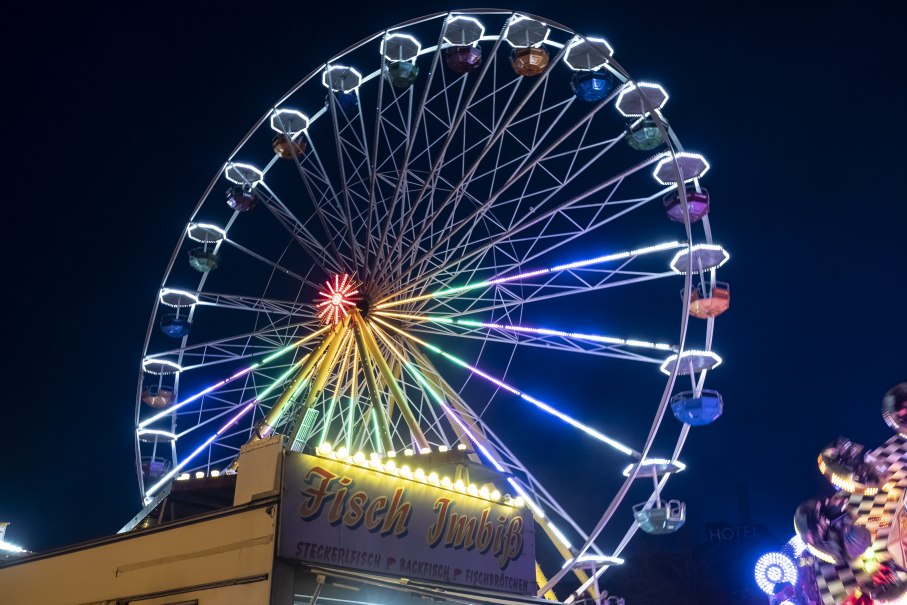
340, 376
544, 331
821, 555
537, 511
539, 404
342, 68
595, 560
797, 544
461, 18
691, 353
205, 226
202, 393
437, 397
200, 449
278, 116
560, 536
501, 280
670, 157
239, 374
677, 464
234, 171
165, 434
174, 368
167, 291
9, 547
695, 248
401, 58
635, 87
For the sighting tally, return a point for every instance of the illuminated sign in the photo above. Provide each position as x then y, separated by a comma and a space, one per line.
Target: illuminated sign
344, 515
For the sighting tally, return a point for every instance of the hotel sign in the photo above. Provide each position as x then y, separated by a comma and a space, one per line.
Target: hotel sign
344, 515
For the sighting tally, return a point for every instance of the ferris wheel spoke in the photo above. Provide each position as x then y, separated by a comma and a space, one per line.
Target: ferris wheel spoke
529, 162
536, 402
460, 112
274, 265
440, 323
544, 238
529, 220
438, 164
270, 337
396, 350
341, 151
173, 472
549, 274
413, 130
538, 342
316, 250
474, 433
499, 125
299, 161
257, 305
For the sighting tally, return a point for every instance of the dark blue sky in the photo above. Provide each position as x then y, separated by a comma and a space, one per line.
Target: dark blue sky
116, 121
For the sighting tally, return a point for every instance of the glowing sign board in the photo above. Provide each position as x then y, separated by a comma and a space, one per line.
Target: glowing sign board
343, 515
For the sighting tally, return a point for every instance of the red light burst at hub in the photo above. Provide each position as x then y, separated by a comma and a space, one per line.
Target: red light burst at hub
340, 294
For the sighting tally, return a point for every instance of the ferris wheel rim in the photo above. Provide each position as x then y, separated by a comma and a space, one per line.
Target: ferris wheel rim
673, 150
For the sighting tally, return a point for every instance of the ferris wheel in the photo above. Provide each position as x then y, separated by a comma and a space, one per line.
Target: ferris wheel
414, 224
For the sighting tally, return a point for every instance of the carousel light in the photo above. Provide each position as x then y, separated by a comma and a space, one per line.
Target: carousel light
342, 452
325, 448
433, 478
419, 475
215, 473
772, 568
496, 495
184, 477
359, 458
446, 482
408, 452
484, 493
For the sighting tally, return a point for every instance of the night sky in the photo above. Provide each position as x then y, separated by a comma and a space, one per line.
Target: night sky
116, 121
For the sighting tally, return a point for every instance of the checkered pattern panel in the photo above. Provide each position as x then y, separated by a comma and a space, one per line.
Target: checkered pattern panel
878, 514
